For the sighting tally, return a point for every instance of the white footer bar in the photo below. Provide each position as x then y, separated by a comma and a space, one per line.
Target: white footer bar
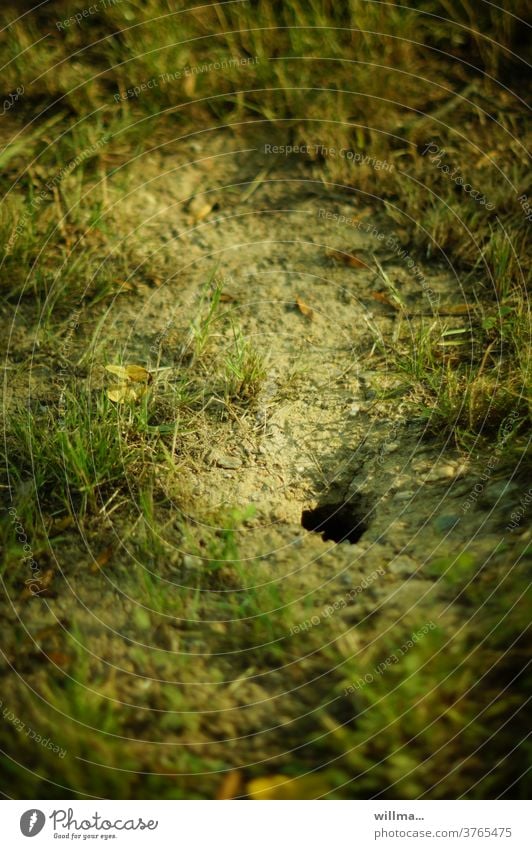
267, 825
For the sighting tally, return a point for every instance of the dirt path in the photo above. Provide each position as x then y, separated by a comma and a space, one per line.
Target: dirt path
255, 667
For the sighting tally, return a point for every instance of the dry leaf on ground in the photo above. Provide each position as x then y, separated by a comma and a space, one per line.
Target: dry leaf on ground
122, 393
304, 309
136, 374
199, 208
347, 259
384, 299
132, 374
102, 559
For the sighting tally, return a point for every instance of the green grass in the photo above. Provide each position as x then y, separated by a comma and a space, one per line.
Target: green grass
75, 454
245, 369
470, 379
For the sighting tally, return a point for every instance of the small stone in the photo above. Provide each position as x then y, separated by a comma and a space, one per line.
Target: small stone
224, 461
445, 523
445, 471
390, 447
403, 565
405, 495
192, 562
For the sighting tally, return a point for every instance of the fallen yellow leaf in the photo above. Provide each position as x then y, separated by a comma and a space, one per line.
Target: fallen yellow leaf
131, 374
136, 374
199, 208
123, 392
304, 309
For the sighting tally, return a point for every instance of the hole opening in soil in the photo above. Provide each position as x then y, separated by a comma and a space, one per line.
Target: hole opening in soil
337, 522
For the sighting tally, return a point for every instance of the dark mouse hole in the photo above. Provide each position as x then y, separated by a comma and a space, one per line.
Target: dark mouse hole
336, 522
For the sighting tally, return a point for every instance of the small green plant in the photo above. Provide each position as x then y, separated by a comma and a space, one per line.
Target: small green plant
501, 262
201, 325
244, 369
